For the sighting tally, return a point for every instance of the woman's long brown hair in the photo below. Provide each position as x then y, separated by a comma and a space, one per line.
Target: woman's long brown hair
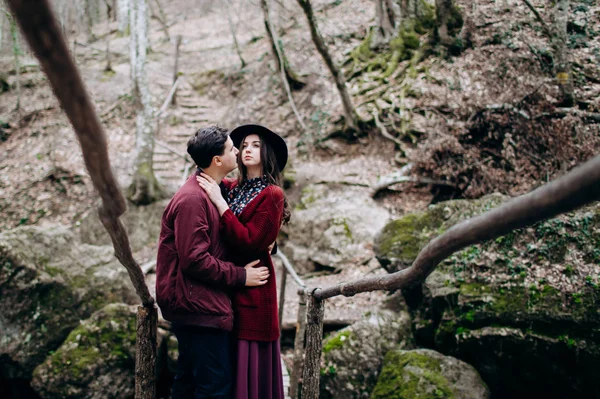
270, 170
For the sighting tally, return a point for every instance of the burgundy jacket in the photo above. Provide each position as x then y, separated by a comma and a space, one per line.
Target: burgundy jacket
193, 283
248, 237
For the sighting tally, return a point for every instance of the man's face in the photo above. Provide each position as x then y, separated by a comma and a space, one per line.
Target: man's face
228, 161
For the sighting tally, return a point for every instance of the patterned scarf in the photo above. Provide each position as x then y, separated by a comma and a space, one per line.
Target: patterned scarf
243, 193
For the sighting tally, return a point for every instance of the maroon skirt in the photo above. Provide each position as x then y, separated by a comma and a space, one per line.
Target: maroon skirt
258, 370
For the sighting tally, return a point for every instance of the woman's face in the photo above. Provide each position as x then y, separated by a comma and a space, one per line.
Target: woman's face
251, 151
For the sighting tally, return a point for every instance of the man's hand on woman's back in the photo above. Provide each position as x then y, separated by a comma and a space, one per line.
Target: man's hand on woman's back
256, 276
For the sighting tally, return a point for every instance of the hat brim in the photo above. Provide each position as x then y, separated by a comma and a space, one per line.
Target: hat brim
276, 141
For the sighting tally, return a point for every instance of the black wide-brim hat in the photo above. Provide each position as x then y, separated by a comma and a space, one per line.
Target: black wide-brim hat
276, 142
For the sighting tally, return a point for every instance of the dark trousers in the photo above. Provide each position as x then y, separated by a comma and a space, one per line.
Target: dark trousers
204, 364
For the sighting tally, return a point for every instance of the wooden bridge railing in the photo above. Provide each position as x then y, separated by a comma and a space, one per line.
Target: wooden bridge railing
579, 187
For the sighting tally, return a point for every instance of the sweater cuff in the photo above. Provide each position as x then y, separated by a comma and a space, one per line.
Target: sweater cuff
227, 215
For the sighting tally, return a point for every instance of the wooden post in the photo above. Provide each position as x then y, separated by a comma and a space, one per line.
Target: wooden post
145, 353
282, 295
314, 345
176, 68
298, 346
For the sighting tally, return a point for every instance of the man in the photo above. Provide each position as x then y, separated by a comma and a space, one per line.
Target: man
192, 280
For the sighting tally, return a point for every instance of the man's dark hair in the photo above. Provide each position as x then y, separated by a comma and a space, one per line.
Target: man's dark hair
207, 143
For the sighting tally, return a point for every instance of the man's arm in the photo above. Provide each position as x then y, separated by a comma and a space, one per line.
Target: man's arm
192, 240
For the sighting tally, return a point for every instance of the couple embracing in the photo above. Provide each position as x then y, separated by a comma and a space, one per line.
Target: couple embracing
214, 275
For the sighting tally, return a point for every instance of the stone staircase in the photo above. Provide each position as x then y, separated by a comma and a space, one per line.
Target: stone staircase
172, 164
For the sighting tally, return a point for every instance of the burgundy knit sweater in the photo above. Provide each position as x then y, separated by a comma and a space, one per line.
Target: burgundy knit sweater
248, 238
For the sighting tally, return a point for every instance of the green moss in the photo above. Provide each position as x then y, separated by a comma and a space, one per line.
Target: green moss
307, 197
404, 238
363, 52
343, 222
109, 336
411, 375
426, 21
108, 74
337, 341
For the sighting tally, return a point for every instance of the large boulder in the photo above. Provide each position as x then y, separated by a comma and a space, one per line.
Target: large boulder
48, 283
141, 222
333, 227
401, 240
427, 374
97, 360
524, 309
353, 356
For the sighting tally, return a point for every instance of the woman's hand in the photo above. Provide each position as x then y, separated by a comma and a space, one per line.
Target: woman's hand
212, 189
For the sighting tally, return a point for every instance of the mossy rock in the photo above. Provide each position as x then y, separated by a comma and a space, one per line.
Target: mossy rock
513, 307
97, 360
49, 282
401, 240
352, 357
426, 374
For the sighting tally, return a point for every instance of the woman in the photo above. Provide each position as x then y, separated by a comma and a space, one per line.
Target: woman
250, 220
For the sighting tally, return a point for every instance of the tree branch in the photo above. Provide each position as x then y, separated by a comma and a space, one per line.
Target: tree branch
44, 37
539, 18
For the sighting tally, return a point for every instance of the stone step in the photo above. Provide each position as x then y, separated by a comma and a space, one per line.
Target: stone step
162, 158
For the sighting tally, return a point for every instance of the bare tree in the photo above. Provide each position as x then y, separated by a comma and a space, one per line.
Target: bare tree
123, 7
161, 18
232, 30
562, 66
557, 34
292, 77
14, 34
176, 68
89, 20
144, 188
351, 117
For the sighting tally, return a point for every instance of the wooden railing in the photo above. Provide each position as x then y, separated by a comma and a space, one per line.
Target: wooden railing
579, 187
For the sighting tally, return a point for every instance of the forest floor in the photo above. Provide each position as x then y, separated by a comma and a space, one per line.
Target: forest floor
483, 120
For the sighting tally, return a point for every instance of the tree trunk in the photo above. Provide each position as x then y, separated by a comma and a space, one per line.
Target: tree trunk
232, 30
89, 20
14, 33
108, 67
123, 18
292, 77
562, 66
387, 17
2, 20
145, 188
468, 28
447, 22
442, 13
351, 118
161, 18
176, 68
